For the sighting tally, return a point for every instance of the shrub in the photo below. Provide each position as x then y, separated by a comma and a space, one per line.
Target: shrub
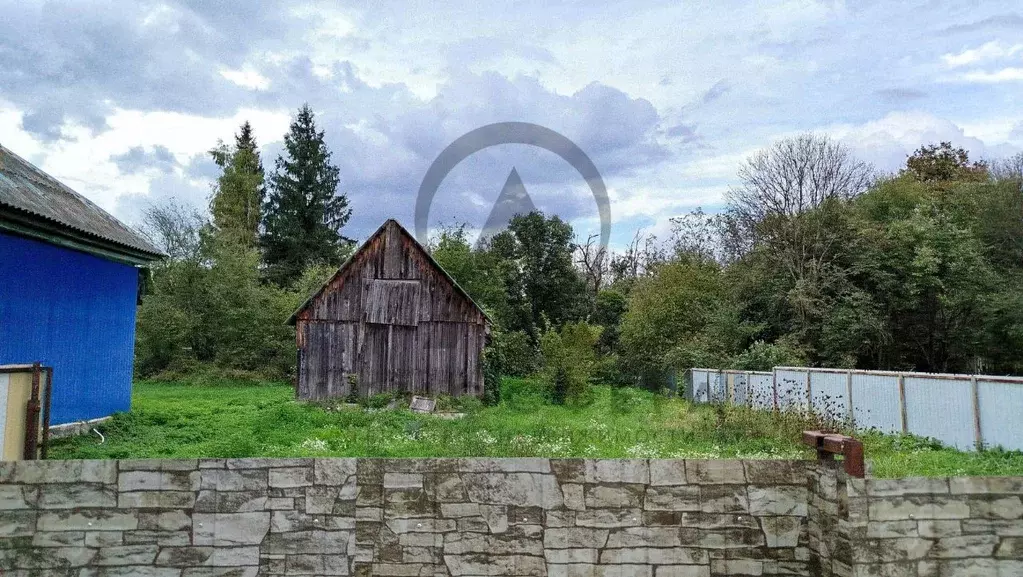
569, 360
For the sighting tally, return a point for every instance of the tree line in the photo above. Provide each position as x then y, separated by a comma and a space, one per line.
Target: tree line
816, 259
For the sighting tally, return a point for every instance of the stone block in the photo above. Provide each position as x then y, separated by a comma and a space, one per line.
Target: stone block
682, 497
685, 571
75, 496
901, 508
938, 528
891, 550
575, 538
994, 507
88, 520
737, 567
462, 565
18, 497
570, 555
505, 465
526, 489
964, 546
617, 471
723, 499
614, 496
709, 472
126, 555
777, 500
907, 486
644, 537
667, 472
781, 531
569, 470
1010, 548
889, 529
316, 565
609, 518
230, 529
575, 496
456, 510
291, 477
59, 539
655, 556
306, 542
483, 544
165, 521
403, 481
156, 500
234, 480
776, 472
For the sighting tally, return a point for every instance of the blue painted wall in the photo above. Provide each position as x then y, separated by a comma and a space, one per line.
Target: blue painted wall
74, 312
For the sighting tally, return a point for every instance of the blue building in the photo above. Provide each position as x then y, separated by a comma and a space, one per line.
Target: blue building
69, 285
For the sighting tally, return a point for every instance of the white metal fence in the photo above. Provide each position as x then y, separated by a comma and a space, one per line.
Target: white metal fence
963, 411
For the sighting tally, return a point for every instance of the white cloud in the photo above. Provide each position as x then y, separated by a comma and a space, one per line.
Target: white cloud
993, 50
246, 78
1012, 74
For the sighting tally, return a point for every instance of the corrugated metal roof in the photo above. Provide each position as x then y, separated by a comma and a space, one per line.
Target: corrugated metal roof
30, 190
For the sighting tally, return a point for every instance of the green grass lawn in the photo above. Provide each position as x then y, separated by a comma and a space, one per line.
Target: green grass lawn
170, 420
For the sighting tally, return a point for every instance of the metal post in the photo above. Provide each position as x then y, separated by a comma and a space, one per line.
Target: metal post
749, 390
708, 387
32, 416
849, 397
902, 403
809, 392
774, 386
977, 434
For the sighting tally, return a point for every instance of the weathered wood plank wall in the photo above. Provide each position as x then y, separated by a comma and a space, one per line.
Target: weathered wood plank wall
391, 321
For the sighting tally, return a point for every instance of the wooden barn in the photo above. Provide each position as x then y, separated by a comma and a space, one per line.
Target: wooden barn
390, 320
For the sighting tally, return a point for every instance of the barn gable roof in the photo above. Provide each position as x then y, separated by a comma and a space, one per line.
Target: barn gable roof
365, 246
34, 204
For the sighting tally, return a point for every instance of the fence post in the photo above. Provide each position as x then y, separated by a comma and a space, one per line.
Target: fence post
708, 386
809, 392
977, 434
749, 390
849, 398
774, 386
902, 403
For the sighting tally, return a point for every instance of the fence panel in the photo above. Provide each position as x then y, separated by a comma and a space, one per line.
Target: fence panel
1000, 406
762, 390
791, 388
829, 393
876, 402
740, 388
941, 408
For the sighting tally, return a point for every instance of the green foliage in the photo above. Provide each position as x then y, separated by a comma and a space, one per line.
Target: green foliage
215, 310
183, 420
569, 357
238, 193
936, 163
666, 316
540, 279
304, 214
761, 356
519, 356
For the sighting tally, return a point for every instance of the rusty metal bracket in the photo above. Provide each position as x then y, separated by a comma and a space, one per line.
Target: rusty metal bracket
830, 444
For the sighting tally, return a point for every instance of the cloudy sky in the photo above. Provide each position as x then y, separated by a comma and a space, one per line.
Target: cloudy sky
121, 99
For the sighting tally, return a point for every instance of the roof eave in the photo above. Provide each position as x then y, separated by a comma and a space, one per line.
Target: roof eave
23, 224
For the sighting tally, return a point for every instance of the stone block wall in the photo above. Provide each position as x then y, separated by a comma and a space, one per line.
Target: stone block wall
403, 517
924, 527
467, 517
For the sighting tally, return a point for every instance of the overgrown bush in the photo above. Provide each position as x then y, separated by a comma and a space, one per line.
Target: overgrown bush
762, 356
569, 358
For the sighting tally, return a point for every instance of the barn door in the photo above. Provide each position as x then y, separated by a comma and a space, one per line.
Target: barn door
373, 364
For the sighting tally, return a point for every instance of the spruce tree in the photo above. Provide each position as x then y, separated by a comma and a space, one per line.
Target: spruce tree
238, 194
303, 214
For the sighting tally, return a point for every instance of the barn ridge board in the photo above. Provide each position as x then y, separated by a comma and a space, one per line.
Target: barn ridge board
390, 320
